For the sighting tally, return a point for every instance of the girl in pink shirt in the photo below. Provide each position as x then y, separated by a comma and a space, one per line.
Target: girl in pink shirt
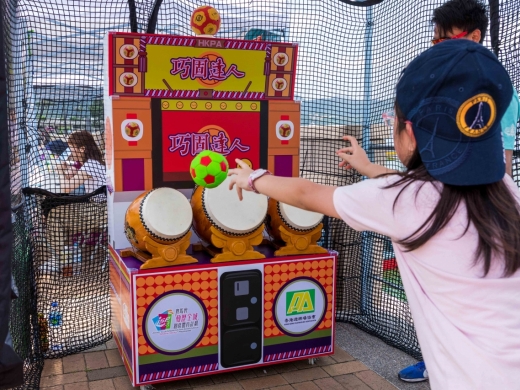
453, 216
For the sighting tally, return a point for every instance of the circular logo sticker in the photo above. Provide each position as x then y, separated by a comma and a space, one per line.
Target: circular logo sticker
132, 129
300, 306
279, 84
128, 79
128, 52
476, 115
175, 322
280, 59
284, 130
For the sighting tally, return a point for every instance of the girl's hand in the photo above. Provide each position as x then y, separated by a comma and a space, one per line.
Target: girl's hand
354, 156
240, 177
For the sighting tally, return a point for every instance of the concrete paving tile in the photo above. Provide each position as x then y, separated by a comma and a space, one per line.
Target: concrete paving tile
345, 368
74, 377
244, 374
96, 360
285, 367
341, 355
105, 384
123, 383
73, 363
113, 357
77, 386
52, 367
328, 384
106, 373
263, 382
264, 371
201, 381
308, 385
375, 381
351, 382
309, 374
223, 378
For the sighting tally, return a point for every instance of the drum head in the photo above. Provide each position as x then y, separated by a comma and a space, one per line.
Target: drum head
166, 213
298, 218
230, 214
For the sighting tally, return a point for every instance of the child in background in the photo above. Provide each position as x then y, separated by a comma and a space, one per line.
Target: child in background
87, 167
453, 215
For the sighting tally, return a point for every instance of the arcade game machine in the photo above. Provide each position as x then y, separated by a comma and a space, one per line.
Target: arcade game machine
227, 298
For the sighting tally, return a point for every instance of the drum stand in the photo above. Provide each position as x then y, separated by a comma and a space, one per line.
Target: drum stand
162, 255
300, 243
235, 247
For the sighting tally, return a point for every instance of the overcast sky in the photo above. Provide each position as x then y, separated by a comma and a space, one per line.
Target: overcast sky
333, 37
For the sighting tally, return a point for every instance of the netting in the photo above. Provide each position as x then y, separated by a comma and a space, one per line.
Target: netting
351, 54
24, 321
69, 243
508, 44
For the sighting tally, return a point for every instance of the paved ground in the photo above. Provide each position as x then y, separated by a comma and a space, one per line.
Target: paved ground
102, 369
387, 361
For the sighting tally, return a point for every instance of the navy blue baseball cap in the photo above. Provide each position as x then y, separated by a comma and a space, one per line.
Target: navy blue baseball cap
455, 95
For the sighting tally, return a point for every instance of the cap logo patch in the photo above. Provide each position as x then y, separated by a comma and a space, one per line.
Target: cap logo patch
476, 115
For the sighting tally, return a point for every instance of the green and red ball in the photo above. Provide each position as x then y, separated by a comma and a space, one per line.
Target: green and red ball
209, 169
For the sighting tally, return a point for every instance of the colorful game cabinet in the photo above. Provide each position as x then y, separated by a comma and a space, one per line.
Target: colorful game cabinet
186, 321
166, 99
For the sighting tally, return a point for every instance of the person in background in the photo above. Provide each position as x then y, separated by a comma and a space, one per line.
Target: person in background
87, 167
468, 19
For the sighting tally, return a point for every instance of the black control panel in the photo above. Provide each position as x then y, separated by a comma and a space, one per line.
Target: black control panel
240, 318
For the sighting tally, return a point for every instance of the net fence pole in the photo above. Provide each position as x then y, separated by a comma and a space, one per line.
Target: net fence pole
366, 242
494, 25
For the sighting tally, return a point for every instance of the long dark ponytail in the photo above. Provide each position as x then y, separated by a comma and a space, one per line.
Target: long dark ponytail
491, 208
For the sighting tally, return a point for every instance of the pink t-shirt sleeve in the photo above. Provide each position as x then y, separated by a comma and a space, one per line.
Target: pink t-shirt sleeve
367, 206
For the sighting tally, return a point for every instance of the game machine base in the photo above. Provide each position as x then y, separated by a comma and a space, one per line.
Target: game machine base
191, 320
235, 300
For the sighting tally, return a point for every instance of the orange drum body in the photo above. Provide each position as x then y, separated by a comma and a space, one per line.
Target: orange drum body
219, 207
162, 214
201, 223
295, 220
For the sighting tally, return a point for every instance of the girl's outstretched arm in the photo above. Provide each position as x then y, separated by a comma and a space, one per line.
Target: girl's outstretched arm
294, 191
